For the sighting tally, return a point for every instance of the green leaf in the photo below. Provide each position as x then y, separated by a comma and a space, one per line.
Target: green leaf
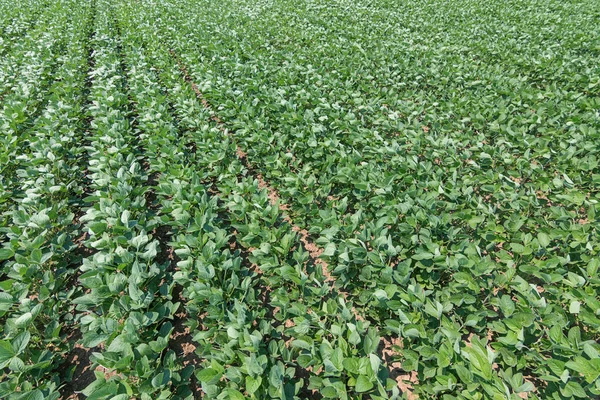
209, 376
337, 359
305, 360
464, 374
20, 342
573, 388
302, 344
6, 253
363, 384
543, 239
329, 392
329, 250
161, 379
6, 353
354, 337
422, 256
574, 307
590, 369
24, 319
16, 364
235, 394
32, 395
123, 396
507, 305
593, 265
556, 334
232, 332
253, 384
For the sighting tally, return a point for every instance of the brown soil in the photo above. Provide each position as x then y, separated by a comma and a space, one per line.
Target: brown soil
82, 376
185, 348
390, 349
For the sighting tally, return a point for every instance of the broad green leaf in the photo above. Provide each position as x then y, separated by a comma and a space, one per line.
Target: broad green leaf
20, 342
5, 253
24, 319
574, 307
363, 384
208, 376
253, 384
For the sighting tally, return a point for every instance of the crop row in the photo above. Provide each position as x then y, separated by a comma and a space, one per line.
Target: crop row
41, 192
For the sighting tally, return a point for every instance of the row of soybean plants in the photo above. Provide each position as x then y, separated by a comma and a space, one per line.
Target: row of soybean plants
262, 321
42, 122
125, 305
26, 71
452, 185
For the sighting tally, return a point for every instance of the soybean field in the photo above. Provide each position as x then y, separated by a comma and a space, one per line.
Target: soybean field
299, 199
